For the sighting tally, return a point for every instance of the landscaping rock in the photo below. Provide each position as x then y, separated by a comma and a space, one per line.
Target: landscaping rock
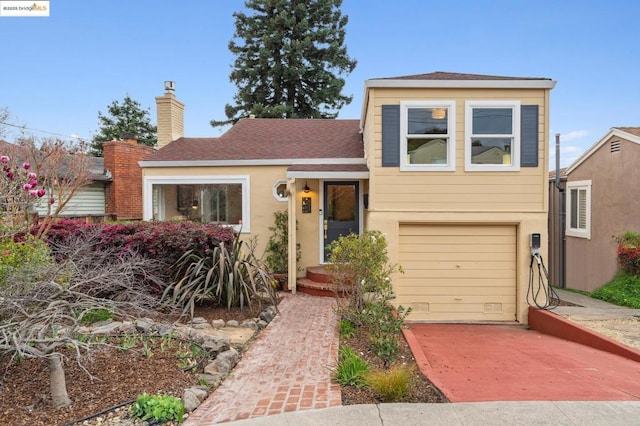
212, 380
105, 330
266, 316
145, 325
262, 324
219, 323
127, 328
232, 323
224, 362
249, 324
193, 397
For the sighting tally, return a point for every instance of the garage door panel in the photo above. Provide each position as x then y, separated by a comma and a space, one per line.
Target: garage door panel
474, 256
458, 272
421, 292
459, 239
453, 230
429, 274
457, 265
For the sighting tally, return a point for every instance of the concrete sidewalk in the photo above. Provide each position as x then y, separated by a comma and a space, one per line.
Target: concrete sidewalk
486, 413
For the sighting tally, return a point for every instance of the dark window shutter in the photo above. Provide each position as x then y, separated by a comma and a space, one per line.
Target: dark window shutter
529, 136
390, 135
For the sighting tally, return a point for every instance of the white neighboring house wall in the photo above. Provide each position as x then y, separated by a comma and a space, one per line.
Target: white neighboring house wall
87, 201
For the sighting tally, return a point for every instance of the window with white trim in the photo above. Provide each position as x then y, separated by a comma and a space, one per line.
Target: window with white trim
280, 190
206, 199
492, 136
427, 135
579, 209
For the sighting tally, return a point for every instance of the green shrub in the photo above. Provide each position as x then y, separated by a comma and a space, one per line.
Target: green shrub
95, 315
277, 249
230, 277
22, 259
160, 408
623, 290
347, 328
392, 385
628, 253
351, 368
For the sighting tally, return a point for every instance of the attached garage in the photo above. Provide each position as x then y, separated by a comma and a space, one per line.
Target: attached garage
458, 272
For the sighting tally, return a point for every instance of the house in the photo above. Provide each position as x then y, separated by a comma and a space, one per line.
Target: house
113, 191
602, 201
451, 167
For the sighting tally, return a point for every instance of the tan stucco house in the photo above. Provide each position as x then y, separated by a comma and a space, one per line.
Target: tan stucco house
602, 198
451, 167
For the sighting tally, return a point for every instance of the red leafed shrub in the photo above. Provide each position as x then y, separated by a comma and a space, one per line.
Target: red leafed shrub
164, 241
629, 253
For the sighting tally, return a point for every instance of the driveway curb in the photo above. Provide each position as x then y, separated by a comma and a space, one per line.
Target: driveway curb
550, 323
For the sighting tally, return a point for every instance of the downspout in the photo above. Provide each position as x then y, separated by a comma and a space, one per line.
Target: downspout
292, 243
561, 218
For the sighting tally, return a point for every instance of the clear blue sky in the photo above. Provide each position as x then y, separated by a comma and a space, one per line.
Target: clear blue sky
57, 72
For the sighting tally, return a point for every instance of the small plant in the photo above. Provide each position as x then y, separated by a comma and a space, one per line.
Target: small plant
347, 329
146, 349
96, 315
392, 385
160, 408
351, 368
127, 342
277, 249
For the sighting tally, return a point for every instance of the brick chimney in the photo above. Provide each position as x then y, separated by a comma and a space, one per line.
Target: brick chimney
123, 195
170, 116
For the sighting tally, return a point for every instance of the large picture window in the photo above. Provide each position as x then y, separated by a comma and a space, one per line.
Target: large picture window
427, 140
216, 199
492, 136
579, 209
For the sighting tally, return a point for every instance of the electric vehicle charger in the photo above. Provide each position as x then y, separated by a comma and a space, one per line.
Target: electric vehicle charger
544, 289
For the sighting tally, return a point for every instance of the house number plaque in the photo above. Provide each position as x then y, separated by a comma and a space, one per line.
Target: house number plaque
306, 204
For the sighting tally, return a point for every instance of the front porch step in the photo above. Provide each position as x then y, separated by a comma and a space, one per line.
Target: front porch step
318, 282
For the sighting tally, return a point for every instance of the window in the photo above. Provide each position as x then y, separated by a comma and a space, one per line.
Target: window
579, 209
206, 199
427, 140
492, 136
280, 190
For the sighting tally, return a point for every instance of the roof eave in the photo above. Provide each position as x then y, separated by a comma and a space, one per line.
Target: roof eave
254, 162
461, 84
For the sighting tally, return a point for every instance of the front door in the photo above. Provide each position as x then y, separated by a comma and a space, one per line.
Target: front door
341, 211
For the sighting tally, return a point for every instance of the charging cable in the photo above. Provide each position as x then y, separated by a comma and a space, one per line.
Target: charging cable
543, 290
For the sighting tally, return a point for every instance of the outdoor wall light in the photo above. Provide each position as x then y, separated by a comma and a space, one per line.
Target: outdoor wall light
194, 204
306, 188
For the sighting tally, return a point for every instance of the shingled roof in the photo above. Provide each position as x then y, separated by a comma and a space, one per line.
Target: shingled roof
441, 75
271, 139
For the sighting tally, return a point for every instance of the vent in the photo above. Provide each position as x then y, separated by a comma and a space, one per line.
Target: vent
615, 146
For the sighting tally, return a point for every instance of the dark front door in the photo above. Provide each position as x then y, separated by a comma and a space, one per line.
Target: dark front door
341, 211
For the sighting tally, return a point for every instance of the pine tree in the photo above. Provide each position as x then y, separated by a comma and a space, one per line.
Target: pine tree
289, 58
128, 117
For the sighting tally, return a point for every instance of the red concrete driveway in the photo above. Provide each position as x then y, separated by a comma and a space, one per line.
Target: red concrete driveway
471, 363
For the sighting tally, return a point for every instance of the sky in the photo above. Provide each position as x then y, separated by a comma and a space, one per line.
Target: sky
59, 71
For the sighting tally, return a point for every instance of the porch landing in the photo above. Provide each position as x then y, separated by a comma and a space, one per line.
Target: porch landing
318, 282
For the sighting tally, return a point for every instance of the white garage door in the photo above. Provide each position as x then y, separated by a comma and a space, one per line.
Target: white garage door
458, 272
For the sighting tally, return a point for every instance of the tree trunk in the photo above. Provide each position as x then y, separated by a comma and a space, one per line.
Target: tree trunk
58, 384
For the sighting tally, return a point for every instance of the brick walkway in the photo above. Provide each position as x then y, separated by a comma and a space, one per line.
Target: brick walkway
285, 369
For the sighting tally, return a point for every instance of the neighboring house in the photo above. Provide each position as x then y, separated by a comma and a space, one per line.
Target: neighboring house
114, 193
602, 201
451, 167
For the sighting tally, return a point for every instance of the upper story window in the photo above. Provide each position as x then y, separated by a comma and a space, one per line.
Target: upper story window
427, 135
492, 136
579, 209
